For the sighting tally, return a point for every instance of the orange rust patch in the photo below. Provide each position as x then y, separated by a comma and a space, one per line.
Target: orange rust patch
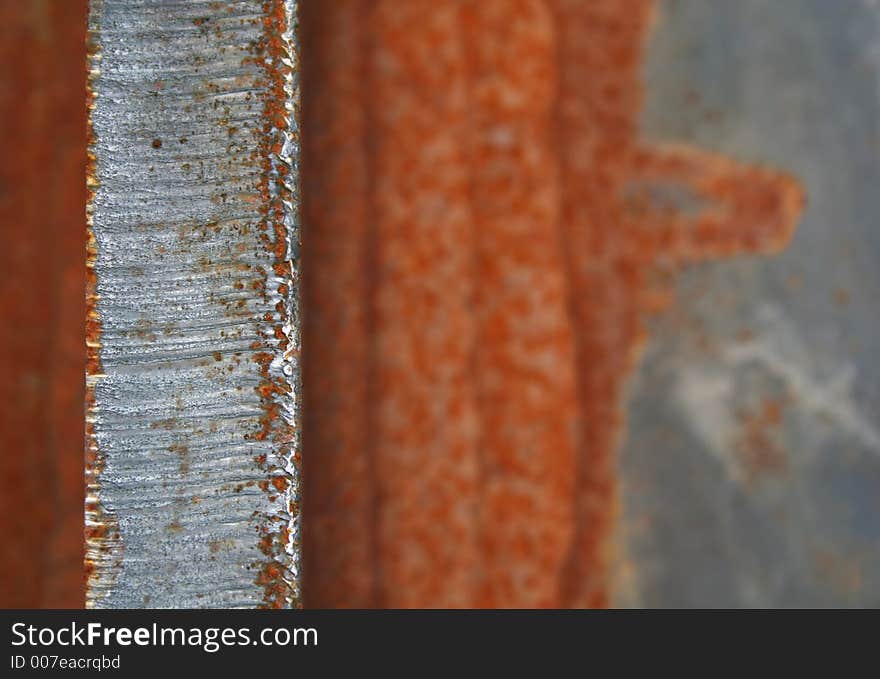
524, 377
421, 410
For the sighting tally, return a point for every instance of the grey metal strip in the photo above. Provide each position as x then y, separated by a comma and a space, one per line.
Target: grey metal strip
193, 385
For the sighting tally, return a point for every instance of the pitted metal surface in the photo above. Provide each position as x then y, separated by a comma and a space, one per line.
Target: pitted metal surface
192, 427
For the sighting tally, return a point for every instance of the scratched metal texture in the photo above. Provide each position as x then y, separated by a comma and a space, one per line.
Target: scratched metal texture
189, 502
722, 507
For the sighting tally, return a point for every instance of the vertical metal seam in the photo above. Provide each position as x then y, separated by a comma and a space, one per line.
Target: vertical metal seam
282, 581
103, 548
193, 435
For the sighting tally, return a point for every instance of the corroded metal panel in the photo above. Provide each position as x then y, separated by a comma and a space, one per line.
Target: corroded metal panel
193, 326
489, 232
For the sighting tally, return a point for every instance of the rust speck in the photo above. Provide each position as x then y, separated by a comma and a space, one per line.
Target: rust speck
758, 446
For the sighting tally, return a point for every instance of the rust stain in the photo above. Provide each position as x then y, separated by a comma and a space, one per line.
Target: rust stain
523, 374
421, 418
486, 233
758, 448
844, 572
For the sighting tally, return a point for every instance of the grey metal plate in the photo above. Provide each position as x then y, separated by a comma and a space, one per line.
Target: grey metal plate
751, 464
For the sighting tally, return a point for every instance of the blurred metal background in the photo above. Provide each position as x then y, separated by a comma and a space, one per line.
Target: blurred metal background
751, 463
42, 362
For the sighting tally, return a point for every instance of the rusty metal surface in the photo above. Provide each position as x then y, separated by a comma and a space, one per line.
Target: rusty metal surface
482, 258
193, 334
748, 471
42, 194
750, 468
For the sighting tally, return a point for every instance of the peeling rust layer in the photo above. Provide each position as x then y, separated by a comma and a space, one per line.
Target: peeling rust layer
491, 233
193, 380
